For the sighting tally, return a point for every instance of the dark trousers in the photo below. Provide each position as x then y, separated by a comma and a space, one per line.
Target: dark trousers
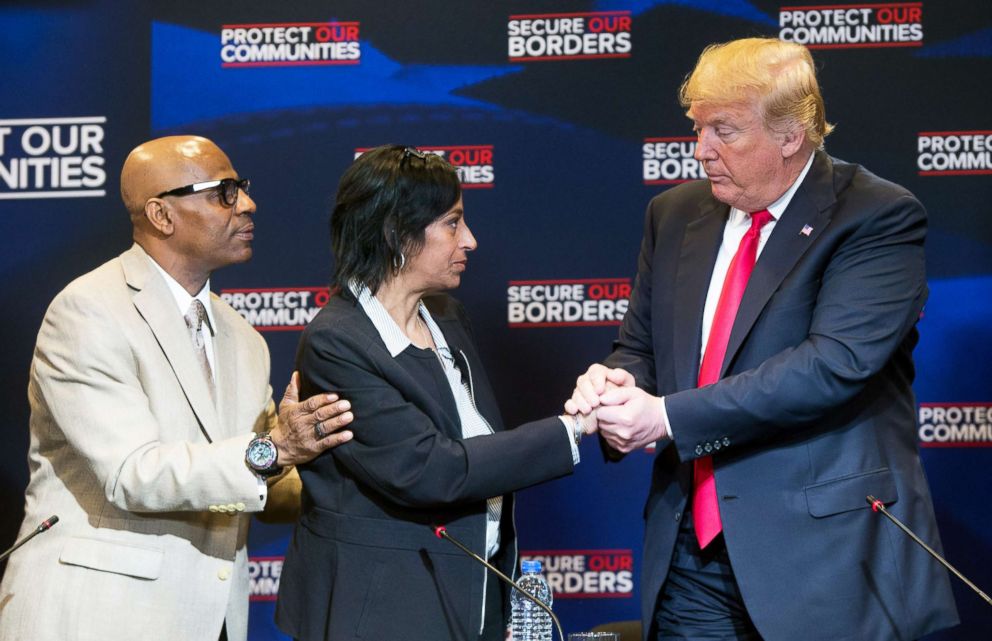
494, 628
700, 599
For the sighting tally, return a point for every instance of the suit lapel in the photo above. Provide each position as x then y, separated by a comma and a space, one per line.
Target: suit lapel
807, 215
156, 305
225, 357
698, 254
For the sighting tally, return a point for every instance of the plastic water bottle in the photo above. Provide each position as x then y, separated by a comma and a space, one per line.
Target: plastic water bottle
528, 621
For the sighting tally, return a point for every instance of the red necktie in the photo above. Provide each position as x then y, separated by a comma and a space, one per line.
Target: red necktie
705, 511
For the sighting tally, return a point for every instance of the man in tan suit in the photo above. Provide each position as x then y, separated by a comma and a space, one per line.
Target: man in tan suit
141, 419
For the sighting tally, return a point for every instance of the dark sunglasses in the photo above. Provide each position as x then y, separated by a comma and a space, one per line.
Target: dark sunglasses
416, 153
228, 188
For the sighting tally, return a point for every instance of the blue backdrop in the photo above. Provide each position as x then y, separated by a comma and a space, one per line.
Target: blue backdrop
561, 141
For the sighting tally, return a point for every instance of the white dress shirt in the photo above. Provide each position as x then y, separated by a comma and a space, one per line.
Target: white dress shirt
183, 300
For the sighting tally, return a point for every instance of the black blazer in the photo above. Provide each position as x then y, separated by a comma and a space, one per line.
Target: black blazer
364, 562
814, 412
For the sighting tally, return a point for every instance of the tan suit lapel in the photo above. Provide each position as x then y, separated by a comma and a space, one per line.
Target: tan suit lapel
155, 303
226, 361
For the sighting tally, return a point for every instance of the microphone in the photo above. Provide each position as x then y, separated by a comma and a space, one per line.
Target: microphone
441, 532
878, 506
45, 525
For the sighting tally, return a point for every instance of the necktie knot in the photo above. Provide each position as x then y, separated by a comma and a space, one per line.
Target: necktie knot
196, 318
195, 315
759, 219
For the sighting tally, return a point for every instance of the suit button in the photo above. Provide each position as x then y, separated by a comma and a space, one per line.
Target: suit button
726, 441
678, 515
224, 574
699, 449
716, 445
708, 448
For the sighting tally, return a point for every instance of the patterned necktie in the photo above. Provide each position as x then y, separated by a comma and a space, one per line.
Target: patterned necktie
195, 318
705, 510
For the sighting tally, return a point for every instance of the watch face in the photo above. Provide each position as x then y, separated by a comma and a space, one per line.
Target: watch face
261, 454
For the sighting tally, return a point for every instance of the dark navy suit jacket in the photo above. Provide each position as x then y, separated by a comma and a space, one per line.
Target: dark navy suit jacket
815, 409
364, 562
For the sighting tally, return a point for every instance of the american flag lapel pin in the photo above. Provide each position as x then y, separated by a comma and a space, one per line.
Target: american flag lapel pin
806, 230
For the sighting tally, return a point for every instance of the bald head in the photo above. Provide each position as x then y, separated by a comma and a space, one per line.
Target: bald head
166, 163
193, 233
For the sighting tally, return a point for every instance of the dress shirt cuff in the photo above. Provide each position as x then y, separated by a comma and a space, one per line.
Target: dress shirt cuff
665, 421
570, 429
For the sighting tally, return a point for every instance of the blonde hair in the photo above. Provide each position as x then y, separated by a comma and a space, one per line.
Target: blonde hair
778, 75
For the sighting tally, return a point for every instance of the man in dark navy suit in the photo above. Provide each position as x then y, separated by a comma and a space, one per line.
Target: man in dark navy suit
767, 351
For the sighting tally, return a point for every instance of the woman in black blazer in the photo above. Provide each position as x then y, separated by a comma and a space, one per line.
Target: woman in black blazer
429, 445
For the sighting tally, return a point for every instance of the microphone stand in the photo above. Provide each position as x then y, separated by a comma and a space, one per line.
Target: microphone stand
45, 525
878, 506
442, 533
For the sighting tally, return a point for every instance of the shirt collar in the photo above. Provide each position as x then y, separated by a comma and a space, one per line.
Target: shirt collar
394, 338
182, 297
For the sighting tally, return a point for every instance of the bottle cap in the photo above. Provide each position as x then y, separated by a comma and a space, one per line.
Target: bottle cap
530, 567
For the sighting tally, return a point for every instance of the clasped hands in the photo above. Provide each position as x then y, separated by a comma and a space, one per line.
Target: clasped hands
627, 417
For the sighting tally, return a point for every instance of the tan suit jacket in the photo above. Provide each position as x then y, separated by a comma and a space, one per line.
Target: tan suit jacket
146, 474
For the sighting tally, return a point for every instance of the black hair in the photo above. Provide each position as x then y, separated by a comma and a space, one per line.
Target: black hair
385, 201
